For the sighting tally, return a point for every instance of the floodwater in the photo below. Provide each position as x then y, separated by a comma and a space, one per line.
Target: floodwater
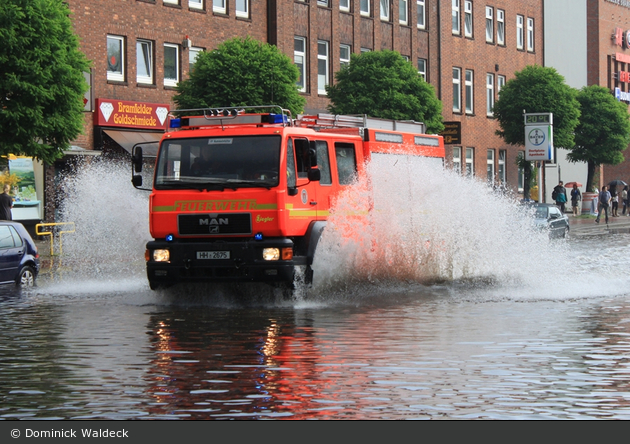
471, 316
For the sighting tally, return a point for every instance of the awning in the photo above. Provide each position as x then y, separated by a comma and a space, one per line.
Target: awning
127, 139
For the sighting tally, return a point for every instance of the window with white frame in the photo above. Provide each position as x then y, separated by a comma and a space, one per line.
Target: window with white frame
530, 34
171, 64
455, 17
501, 173
457, 90
344, 55
171, 2
520, 37
384, 10
470, 162
457, 159
144, 61
489, 24
521, 172
193, 53
115, 58
299, 58
219, 6
469, 90
421, 12
500, 27
344, 5
364, 6
500, 84
490, 166
403, 18
242, 8
323, 2
195, 4
363, 50
322, 66
422, 68
489, 93
468, 18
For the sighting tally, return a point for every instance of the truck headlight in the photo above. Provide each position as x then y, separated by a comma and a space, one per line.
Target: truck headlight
271, 254
162, 255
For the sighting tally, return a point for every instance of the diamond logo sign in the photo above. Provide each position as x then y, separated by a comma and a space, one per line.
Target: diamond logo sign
161, 114
106, 109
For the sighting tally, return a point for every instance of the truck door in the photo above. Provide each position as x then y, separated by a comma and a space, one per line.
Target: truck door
325, 188
302, 205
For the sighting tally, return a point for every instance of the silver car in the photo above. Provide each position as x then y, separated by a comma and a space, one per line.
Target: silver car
549, 217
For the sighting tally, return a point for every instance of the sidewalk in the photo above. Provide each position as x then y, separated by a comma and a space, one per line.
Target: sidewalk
585, 225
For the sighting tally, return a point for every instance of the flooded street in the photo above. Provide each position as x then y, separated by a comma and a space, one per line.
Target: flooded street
507, 325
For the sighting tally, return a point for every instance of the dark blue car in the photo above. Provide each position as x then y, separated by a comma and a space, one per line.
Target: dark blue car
19, 259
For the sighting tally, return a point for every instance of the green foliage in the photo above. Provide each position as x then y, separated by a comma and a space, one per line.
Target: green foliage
537, 89
603, 132
42, 83
382, 84
241, 72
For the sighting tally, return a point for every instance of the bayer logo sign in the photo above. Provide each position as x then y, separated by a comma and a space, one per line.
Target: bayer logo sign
536, 137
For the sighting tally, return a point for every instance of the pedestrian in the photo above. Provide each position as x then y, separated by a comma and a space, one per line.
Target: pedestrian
576, 197
615, 203
6, 203
559, 194
604, 202
624, 200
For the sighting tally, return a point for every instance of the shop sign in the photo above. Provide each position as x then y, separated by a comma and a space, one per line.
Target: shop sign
624, 3
127, 114
452, 133
622, 96
621, 38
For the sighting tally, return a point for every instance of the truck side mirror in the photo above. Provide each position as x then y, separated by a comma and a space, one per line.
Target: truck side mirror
312, 154
136, 159
314, 175
136, 180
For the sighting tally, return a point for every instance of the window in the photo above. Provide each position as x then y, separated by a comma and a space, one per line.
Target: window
344, 55
490, 166
144, 61
470, 162
171, 64
469, 91
115, 58
365, 7
384, 10
457, 159
346, 162
219, 6
500, 27
455, 17
530, 34
421, 14
520, 20
489, 94
172, 2
422, 68
344, 5
489, 24
457, 90
365, 50
521, 172
322, 66
195, 4
500, 83
402, 12
193, 53
322, 3
242, 8
468, 18
323, 162
299, 58
501, 174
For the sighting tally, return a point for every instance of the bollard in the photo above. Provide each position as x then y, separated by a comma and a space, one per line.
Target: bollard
68, 227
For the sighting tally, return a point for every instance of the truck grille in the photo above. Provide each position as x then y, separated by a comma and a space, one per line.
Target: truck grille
214, 224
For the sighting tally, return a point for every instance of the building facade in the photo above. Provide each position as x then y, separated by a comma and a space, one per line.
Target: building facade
466, 49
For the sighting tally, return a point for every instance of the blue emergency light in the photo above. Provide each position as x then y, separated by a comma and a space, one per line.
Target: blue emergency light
175, 123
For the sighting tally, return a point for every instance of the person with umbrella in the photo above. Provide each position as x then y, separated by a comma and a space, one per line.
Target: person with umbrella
576, 197
559, 194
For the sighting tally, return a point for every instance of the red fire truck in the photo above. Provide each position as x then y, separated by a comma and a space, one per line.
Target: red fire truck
243, 194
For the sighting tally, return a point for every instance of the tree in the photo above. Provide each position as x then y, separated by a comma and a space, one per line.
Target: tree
536, 89
603, 132
241, 72
42, 83
383, 84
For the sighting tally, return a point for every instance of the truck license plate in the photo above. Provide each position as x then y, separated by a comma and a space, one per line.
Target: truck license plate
213, 255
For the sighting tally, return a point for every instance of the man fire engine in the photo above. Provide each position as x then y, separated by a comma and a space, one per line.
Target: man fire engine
244, 196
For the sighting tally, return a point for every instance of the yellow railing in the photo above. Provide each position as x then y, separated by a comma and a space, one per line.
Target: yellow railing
67, 227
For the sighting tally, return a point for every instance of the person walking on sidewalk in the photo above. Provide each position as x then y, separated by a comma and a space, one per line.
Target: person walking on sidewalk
604, 203
624, 200
6, 203
614, 203
576, 197
559, 194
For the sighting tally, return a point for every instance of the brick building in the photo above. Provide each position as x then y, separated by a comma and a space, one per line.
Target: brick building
467, 49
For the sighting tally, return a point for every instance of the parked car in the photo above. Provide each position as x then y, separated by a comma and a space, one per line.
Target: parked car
549, 217
19, 259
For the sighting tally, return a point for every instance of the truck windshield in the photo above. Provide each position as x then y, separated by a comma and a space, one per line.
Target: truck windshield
218, 163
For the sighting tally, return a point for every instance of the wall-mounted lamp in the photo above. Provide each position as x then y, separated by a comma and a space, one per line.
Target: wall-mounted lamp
186, 43
496, 67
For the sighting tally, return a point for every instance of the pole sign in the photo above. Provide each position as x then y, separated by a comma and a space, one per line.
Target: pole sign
539, 136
